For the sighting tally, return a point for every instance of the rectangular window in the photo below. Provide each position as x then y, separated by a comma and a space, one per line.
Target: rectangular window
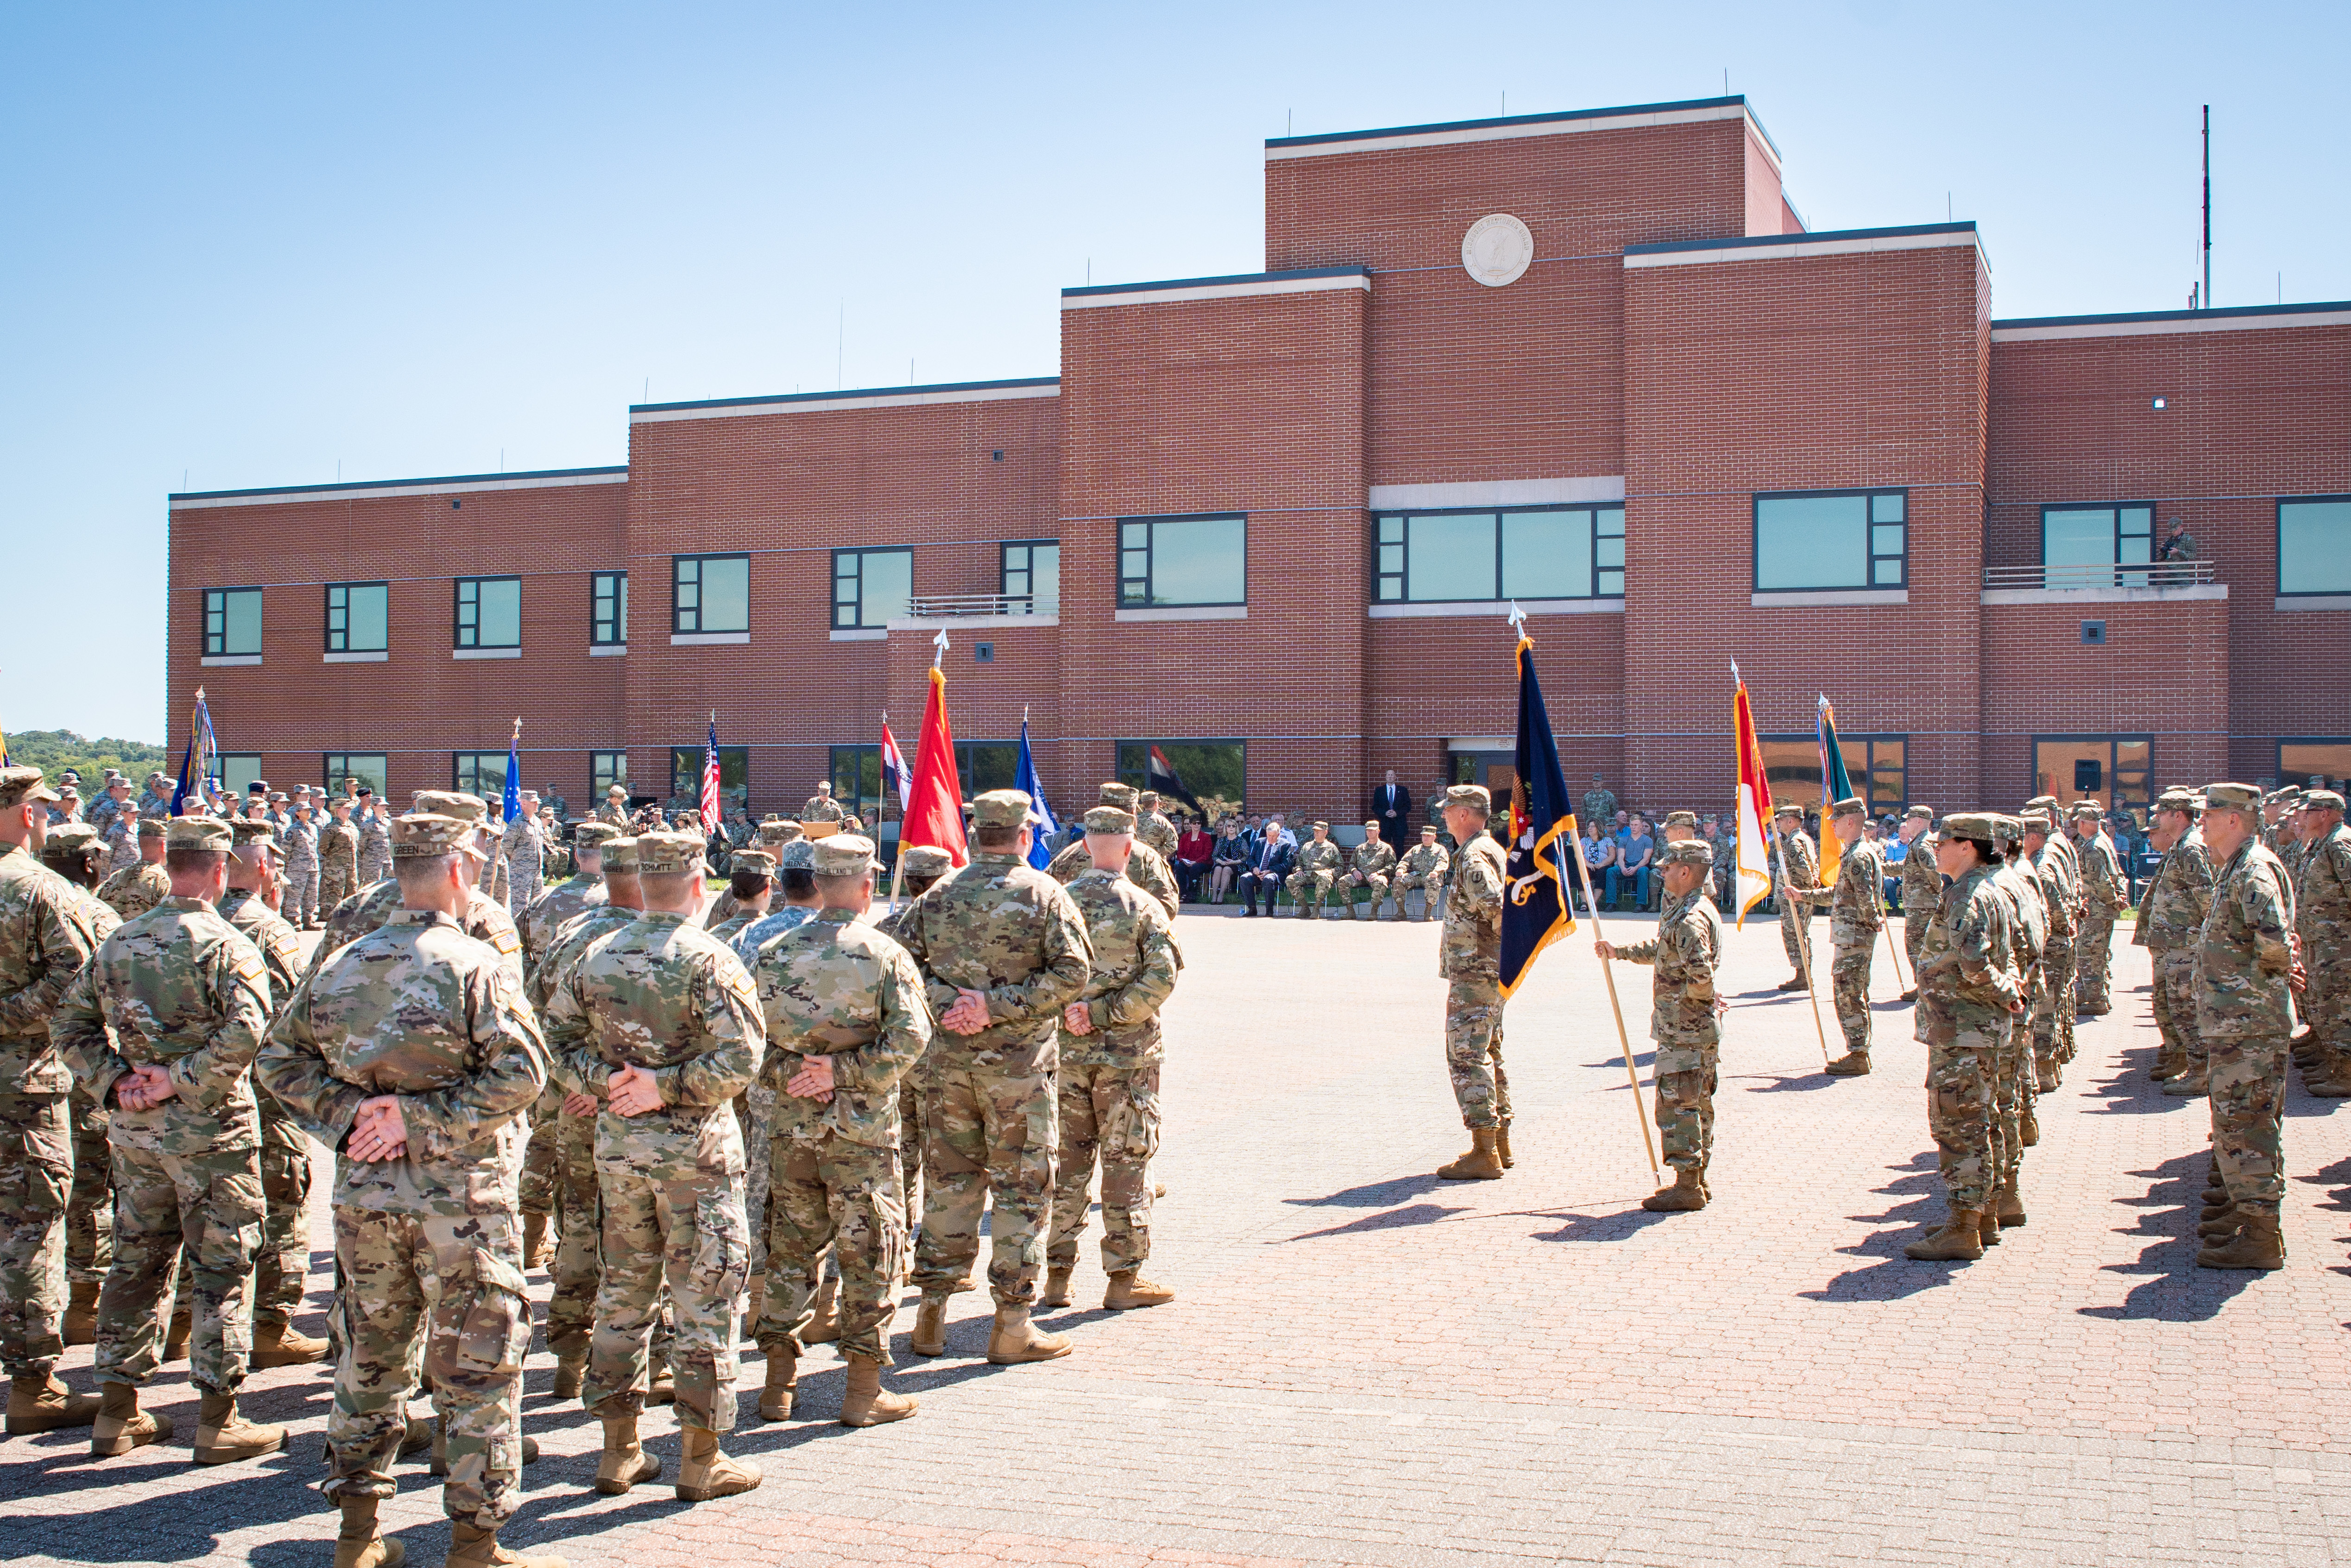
605, 769
1874, 764
710, 594
358, 617
871, 587
2318, 761
1215, 772
1171, 561
2110, 546
1537, 553
1029, 575
856, 774
983, 765
368, 769
686, 772
232, 623
478, 773
2314, 544
1829, 539
2112, 770
489, 612
608, 609
235, 770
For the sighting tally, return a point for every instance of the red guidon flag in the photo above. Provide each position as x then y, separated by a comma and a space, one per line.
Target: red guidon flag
1754, 803
935, 806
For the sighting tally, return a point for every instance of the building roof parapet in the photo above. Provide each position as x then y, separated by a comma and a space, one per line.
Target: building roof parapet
1799, 246
1685, 111
385, 489
848, 399
1169, 291
2152, 323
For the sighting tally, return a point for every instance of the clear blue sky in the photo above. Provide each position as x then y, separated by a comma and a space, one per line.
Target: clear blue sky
252, 245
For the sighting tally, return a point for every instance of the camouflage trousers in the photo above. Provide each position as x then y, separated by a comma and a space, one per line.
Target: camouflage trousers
213, 1204
299, 902
2052, 1010
1473, 1050
827, 1192
912, 1128
991, 1137
1959, 1090
689, 1234
37, 1181
523, 883
578, 1269
1913, 938
281, 1271
1378, 885
1686, 1104
2325, 1004
1849, 979
442, 1296
1796, 935
2012, 1096
334, 887
1309, 890
1111, 1113
1406, 882
90, 1216
542, 1156
755, 1113
375, 865
2248, 1105
2093, 959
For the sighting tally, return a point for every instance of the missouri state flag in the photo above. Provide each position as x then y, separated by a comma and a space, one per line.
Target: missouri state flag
1536, 906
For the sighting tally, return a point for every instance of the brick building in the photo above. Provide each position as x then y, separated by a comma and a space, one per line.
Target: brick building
1592, 363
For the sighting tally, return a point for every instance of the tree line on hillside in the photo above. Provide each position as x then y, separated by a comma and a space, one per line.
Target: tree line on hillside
54, 751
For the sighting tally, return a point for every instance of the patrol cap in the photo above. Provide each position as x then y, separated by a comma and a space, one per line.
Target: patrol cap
620, 790
1681, 819
593, 835
156, 828
1795, 811
667, 854
2032, 819
800, 855
1851, 806
2232, 797
68, 839
277, 795
1147, 799
758, 860
1113, 793
1468, 795
780, 830
1976, 824
343, 802
1695, 852
1321, 828
1923, 813
453, 803
922, 860
843, 855
2042, 800
199, 833
824, 786
243, 832
1009, 807
1428, 829
1108, 819
422, 834
621, 855
2320, 800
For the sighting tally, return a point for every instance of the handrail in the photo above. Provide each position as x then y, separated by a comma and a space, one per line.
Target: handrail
2156, 575
937, 606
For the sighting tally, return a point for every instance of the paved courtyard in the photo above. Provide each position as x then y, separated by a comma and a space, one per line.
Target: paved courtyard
1366, 1365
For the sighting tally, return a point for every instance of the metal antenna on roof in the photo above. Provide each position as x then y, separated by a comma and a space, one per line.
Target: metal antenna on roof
2208, 207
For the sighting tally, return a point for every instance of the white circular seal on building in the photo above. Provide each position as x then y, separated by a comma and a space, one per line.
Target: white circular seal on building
1496, 249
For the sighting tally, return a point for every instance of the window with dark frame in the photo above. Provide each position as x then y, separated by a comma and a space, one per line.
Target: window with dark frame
710, 594
368, 767
2113, 770
685, 771
606, 769
489, 612
2314, 544
1188, 561
1489, 555
1876, 766
478, 773
872, 588
232, 623
2087, 541
1028, 573
235, 770
856, 774
2301, 758
358, 617
608, 609
1815, 541
983, 765
1219, 768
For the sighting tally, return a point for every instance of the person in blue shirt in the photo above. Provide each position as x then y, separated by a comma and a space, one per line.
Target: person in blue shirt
1634, 850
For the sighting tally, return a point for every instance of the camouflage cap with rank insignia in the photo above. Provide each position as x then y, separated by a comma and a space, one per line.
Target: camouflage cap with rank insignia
842, 855
2232, 797
1107, 819
1009, 807
198, 833
668, 854
156, 828
471, 808
1469, 795
1981, 825
921, 860
23, 785
1851, 806
758, 860
422, 834
1113, 793
1695, 852
245, 831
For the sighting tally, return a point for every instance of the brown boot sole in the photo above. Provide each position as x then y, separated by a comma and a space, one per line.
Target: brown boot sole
776, 1409
208, 1454
713, 1493
2230, 1257
1023, 1356
647, 1469
880, 1414
268, 1358
1469, 1173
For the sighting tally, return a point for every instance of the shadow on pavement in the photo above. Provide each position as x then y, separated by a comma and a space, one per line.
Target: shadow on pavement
2130, 1092
1394, 1219
1621, 1226
2176, 1290
1803, 1082
1376, 1194
1889, 1275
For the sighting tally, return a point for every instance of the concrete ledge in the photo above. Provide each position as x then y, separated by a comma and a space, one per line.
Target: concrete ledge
935, 623
1500, 493
2106, 596
708, 639
376, 655
607, 649
1195, 612
857, 634
1494, 609
2282, 604
485, 653
217, 661
1806, 598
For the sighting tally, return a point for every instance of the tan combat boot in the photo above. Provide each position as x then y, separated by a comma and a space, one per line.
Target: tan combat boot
1130, 1289
783, 1382
824, 1324
703, 1472
282, 1345
661, 1385
175, 1338
2007, 1205
966, 1284
2168, 1064
1959, 1241
536, 1249
1987, 1229
930, 1335
38, 1402
1056, 1292
1502, 1145
359, 1544
416, 1436
625, 1462
224, 1436
121, 1426
1688, 1192
571, 1364
2192, 1085
1015, 1340
2256, 1245
1482, 1163
81, 1327
2028, 1125
1851, 1064
867, 1403
471, 1547
2220, 1224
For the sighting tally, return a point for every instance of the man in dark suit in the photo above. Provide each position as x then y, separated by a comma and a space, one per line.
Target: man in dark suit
1269, 860
1392, 809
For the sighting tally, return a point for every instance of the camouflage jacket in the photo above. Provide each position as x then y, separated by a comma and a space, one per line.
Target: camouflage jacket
618, 816
1801, 859
1428, 861
821, 808
1470, 945
279, 946
721, 910
2051, 869
1318, 856
563, 950
1686, 951
659, 993
1009, 931
46, 939
2243, 955
524, 845
1155, 829
1967, 976
299, 840
1133, 973
734, 926
135, 889
834, 986
768, 927
1856, 903
2104, 889
339, 851
375, 838
418, 1009
548, 913
1373, 859
1922, 883
487, 920
177, 988
1599, 806
2323, 897
2028, 912
2180, 896
1146, 867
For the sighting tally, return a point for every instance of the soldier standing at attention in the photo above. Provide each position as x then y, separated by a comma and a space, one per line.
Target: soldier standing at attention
413, 1052
1423, 871
2246, 974
1152, 826
131, 893
1599, 805
122, 832
846, 1021
1967, 1004
1469, 958
1795, 871
751, 881
536, 926
1685, 1020
1857, 910
2053, 1012
2171, 918
663, 1020
1003, 952
45, 941
1317, 873
161, 1028
1147, 867
1108, 1079
74, 851
2322, 918
2105, 890
821, 806
1375, 864
298, 843
921, 869
558, 906
1922, 887
615, 809
484, 920
526, 855
2014, 1126
339, 856
375, 840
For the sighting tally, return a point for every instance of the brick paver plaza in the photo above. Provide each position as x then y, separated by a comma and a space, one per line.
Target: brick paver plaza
1366, 1365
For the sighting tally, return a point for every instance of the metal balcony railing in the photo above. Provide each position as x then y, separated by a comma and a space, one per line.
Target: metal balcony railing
2159, 574
945, 606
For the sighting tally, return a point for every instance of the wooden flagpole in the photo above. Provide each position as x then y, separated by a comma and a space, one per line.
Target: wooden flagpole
1803, 913
1894, 951
1623, 1036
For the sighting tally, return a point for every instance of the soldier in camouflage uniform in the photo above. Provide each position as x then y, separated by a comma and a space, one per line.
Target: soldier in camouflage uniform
1795, 871
2015, 1126
751, 880
339, 856
846, 1021
821, 806
375, 843
920, 869
411, 1052
75, 852
2323, 920
299, 843
2178, 898
1375, 864
1153, 825
2049, 1032
161, 1028
123, 842
1469, 959
2063, 961
131, 893
1968, 1001
1922, 887
1857, 907
1423, 871
1108, 1079
1685, 1018
526, 855
46, 939
1147, 867
2105, 890
543, 1186
663, 1019
1316, 874
615, 809
486, 920
2246, 973
1599, 805
1003, 952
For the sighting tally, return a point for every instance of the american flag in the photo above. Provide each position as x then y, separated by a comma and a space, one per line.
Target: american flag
710, 778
